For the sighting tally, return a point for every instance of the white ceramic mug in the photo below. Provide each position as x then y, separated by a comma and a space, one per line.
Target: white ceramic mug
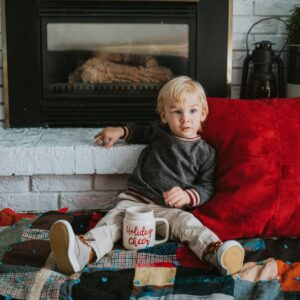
139, 228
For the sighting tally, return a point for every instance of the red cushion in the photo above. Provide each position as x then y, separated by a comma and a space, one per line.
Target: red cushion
258, 168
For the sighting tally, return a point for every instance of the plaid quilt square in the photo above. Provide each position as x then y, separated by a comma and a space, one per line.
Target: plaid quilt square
117, 259
18, 285
10, 285
35, 234
144, 259
51, 289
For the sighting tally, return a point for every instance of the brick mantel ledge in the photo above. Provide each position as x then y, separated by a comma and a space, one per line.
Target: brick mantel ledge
62, 151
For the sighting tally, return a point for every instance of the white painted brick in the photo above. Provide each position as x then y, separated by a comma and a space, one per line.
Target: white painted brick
236, 76
38, 151
120, 159
21, 137
235, 91
24, 160
84, 160
111, 182
7, 162
238, 58
84, 151
49, 137
242, 24
239, 41
47, 183
14, 184
243, 7
93, 200
38, 202
273, 8
54, 160
81, 136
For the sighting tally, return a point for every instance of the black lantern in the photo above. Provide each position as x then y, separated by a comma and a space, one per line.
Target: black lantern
266, 77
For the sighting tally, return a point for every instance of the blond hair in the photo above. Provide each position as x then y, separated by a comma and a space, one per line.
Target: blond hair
176, 89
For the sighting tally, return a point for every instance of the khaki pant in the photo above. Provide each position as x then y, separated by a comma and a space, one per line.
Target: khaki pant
184, 227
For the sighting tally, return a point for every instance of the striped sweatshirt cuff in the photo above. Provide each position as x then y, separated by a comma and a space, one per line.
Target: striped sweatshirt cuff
126, 134
194, 197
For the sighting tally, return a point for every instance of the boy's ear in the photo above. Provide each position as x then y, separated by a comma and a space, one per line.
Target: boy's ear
162, 117
203, 115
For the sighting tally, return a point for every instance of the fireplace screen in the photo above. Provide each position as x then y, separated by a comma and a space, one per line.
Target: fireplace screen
99, 62
94, 58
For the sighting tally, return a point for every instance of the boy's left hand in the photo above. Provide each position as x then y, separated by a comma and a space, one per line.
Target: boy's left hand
176, 197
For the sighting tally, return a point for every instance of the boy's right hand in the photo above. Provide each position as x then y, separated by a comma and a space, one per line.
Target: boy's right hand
176, 197
108, 136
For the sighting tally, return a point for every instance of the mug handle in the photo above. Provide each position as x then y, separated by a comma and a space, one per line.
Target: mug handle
167, 230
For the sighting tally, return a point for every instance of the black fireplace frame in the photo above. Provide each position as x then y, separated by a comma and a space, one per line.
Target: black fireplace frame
27, 105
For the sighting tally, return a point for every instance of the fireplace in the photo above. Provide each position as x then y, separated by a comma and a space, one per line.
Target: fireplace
98, 63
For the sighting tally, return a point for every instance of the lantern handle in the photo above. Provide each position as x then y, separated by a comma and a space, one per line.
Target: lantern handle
259, 21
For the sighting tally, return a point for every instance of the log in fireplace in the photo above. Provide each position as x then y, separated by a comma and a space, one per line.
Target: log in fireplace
95, 62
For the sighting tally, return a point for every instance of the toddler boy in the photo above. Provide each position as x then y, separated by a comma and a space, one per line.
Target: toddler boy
174, 173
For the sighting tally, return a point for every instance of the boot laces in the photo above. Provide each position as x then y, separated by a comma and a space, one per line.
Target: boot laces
85, 240
211, 249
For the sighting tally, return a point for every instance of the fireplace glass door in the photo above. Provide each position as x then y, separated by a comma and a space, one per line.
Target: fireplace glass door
108, 59
111, 69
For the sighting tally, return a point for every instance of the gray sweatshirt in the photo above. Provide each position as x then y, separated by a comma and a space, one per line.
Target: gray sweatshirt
170, 161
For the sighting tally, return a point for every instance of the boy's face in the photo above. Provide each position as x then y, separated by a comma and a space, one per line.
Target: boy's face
184, 119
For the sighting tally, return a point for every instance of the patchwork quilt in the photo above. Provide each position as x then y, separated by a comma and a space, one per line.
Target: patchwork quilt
166, 271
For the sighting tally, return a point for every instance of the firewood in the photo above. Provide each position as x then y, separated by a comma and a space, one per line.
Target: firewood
120, 68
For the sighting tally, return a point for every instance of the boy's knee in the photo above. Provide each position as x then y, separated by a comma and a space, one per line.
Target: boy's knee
184, 220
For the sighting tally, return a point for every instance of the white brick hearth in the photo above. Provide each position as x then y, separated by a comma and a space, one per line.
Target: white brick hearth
44, 169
